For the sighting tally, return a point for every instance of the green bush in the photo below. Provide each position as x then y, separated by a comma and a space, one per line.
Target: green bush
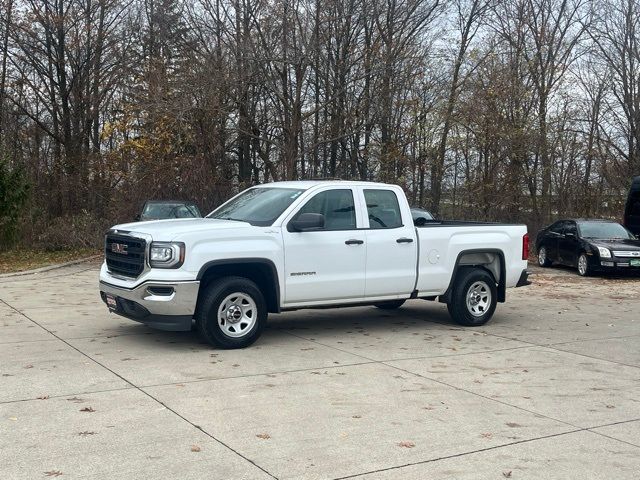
14, 191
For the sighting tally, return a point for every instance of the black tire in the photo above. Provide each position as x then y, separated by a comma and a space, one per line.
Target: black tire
211, 300
390, 305
543, 260
466, 279
587, 270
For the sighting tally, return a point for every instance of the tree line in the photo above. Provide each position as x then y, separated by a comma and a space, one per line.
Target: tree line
508, 110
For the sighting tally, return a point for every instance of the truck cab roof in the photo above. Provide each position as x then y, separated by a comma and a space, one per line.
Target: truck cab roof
307, 184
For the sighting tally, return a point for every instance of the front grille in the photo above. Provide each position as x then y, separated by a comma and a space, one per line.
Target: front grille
627, 254
125, 255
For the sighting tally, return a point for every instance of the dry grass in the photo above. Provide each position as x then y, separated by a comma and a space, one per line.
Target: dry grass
18, 260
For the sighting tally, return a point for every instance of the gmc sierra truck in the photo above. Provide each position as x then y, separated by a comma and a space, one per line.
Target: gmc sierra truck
307, 244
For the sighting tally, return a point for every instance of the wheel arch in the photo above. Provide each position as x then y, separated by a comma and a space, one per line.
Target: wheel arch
489, 259
261, 271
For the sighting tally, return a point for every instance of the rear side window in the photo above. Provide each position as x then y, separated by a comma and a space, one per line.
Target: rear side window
337, 207
570, 227
383, 209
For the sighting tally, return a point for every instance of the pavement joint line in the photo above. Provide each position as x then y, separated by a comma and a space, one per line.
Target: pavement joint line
595, 358
249, 375
52, 397
495, 447
550, 346
197, 427
417, 357
29, 341
457, 455
486, 398
458, 388
591, 429
594, 339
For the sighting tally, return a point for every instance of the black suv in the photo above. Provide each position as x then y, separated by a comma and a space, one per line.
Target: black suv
632, 210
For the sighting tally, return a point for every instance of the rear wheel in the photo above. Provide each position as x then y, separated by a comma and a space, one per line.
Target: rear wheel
543, 257
474, 297
392, 305
232, 313
583, 265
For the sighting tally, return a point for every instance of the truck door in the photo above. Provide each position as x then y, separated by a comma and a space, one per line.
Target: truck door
327, 263
392, 246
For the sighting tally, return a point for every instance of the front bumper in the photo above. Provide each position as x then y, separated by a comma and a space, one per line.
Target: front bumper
162, 305
615, 265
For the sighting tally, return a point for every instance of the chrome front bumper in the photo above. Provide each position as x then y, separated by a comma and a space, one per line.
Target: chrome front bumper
164, 305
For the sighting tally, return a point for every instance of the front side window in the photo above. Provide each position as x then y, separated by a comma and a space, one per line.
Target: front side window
383, 209
259, 206
336, 206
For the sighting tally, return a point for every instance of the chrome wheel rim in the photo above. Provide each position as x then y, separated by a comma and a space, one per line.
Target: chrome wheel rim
237, 314
582, 265
478, 298
542, 256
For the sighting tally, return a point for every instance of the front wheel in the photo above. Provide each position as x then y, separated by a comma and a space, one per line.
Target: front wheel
583, 265
474, 297
232, 313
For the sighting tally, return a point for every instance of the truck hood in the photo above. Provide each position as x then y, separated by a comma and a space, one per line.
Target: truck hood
167, 230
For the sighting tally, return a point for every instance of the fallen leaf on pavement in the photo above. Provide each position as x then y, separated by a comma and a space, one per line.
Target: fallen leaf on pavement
506, 474
87, 409
86, 433
53, 473
195, 448
28, 366
406, 444
43, 397
263, 436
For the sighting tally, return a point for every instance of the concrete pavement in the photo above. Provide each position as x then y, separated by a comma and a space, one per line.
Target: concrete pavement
550, 388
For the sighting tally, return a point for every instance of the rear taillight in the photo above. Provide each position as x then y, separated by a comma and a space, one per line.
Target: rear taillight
525, 246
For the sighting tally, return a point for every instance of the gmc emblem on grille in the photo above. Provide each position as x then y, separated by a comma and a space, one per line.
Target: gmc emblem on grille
120, 248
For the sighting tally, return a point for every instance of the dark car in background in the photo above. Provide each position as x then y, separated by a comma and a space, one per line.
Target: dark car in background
421, 216
632, 208
589, 245
167, 209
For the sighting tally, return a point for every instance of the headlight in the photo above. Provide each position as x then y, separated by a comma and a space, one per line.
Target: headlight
604, 252
166, 255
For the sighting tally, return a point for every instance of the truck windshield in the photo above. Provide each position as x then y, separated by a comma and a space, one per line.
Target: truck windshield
259, 206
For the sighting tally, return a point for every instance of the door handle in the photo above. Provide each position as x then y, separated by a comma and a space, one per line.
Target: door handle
404, 240
353, 241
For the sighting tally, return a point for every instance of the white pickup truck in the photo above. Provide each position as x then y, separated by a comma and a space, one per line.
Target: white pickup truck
291, 245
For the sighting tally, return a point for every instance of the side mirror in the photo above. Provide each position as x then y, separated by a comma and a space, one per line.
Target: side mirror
137, 218
420, 222
307, 222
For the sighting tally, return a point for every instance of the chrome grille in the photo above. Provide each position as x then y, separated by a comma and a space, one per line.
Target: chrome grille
627, 254
125, 255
